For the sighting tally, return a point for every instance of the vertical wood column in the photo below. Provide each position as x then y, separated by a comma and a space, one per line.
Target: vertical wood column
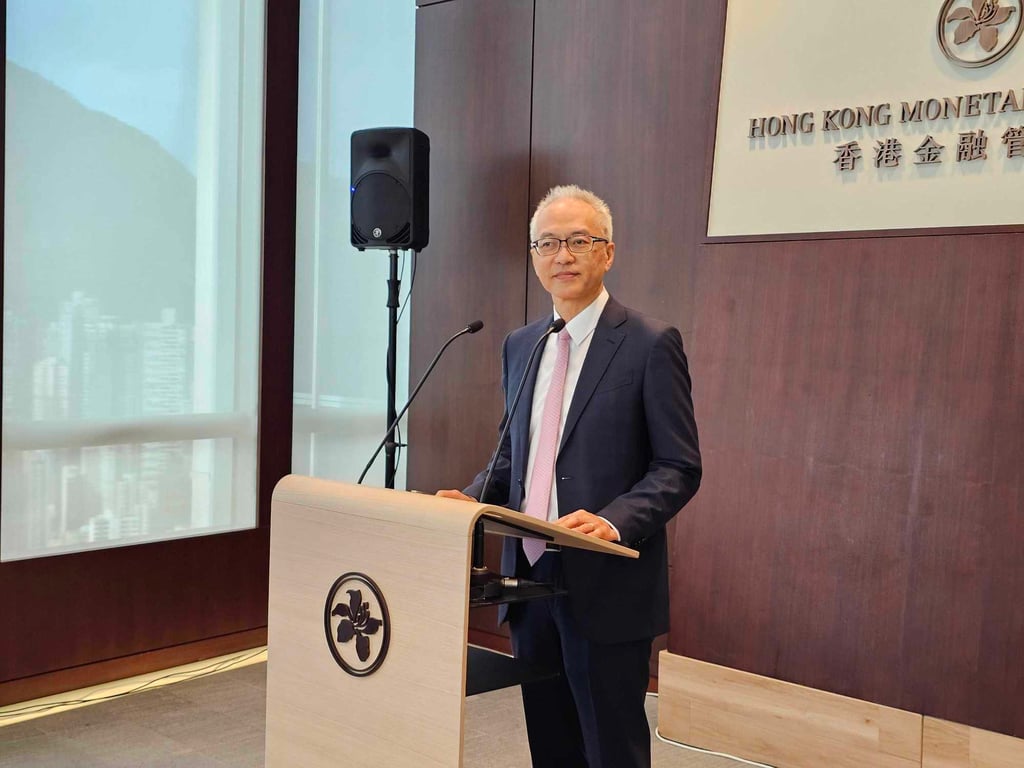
612, 99
473, 81
473, 68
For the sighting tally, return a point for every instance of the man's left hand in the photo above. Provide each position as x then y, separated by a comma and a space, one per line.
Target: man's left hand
587, 523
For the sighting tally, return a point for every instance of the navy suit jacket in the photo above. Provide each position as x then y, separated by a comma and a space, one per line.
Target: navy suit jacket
629, 453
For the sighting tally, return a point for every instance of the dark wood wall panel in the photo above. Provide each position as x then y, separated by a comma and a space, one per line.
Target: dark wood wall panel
473, 66
73, 610
861, 524
473, 63
860, 528
611, 99
594, 84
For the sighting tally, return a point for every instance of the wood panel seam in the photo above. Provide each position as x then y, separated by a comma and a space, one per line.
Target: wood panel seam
529, 159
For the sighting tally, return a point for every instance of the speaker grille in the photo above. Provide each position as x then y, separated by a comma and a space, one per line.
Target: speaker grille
402, 235
381, 206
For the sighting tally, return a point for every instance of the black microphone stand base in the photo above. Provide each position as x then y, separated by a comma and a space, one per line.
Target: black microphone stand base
484, 584
489, 588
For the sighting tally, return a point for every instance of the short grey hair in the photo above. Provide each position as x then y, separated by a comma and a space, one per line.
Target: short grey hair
604, 213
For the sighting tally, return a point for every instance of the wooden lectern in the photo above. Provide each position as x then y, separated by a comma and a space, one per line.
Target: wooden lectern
369, 613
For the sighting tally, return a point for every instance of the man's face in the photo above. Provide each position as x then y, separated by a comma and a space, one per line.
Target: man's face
573, 280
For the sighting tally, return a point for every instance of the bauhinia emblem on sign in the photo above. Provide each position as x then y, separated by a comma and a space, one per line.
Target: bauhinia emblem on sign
976, 33
357, 624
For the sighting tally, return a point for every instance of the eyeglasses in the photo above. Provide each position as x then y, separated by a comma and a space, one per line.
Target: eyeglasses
577, 244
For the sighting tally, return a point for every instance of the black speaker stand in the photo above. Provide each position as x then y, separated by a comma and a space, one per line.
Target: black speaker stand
394, 285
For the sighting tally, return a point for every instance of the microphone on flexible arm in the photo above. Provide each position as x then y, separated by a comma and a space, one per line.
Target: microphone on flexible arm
473, 327
480, 572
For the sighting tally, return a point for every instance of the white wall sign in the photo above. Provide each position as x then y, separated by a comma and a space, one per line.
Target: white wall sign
845, 116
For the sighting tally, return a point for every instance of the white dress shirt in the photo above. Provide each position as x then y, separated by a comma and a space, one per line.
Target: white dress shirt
581, 332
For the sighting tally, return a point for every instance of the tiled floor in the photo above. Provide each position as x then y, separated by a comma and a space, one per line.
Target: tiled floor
218, 721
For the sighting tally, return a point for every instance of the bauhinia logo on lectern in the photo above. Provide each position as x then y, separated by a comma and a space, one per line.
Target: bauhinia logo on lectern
357, 624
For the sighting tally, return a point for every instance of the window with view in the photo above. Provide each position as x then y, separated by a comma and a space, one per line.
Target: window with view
132, 197
356, 70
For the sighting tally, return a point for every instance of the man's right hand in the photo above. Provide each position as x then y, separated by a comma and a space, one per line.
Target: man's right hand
451, 493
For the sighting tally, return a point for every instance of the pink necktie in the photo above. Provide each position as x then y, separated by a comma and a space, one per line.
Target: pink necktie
539, 498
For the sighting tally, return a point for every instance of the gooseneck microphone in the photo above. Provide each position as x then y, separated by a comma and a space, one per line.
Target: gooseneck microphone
478, 534
473, 327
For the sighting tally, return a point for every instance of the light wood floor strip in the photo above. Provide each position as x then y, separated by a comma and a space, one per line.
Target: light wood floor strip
778, 723
951, 745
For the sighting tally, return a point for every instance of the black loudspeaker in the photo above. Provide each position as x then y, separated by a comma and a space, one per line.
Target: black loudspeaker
390, 188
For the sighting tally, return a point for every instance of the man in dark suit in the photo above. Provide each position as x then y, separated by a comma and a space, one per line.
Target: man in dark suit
604, 443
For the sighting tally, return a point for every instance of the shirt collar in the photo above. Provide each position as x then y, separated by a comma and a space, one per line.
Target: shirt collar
581, 326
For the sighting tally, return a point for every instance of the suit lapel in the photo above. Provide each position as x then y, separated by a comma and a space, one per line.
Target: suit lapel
607, 338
